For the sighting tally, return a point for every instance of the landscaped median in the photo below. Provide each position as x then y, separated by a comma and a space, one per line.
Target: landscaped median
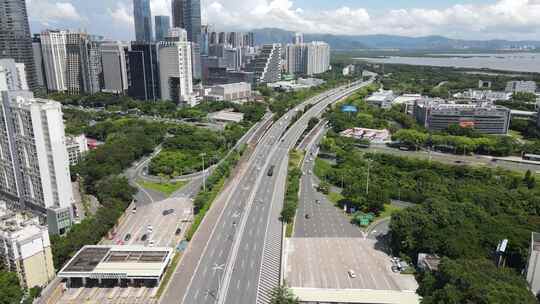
166, 188
214, 185
293, 187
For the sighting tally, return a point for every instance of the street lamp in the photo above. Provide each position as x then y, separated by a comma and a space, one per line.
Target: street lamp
204, 172
369, 161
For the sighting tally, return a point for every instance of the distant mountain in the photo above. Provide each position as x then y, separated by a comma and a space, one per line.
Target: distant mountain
345, 42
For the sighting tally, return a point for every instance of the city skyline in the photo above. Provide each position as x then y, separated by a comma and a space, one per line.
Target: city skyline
502, 19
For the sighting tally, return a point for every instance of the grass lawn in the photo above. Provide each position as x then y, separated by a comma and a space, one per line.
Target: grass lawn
165, 188
296, 158
388, 211
335, 197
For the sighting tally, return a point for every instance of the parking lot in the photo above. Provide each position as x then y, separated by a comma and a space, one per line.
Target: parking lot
148, 225
324, 263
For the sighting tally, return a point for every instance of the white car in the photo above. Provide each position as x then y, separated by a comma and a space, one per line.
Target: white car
352, 274
151, 243
150, 228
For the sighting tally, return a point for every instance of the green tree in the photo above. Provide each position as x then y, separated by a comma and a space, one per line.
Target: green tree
10, 290
283, 295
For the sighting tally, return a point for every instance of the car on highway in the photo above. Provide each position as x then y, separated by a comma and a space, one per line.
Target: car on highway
144, 237
307, 216
271, 171
150, 228
167, 212
127, 237
352, 274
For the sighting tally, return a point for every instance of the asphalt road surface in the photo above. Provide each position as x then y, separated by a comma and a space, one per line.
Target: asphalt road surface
240, 262
325, 219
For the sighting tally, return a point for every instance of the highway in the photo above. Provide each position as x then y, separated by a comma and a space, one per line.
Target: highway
325, 220
240, 261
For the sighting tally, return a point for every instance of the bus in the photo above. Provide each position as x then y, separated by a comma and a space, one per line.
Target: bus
533, 157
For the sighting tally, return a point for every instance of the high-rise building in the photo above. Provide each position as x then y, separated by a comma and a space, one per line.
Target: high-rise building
163, 24
205, 40
143, 71
143, 20
38, 62
267, 64
186, 14
53, 48
298, 38
113, 60
175, 68
83, 64
15, 38
25, 248
33, 154
307, 58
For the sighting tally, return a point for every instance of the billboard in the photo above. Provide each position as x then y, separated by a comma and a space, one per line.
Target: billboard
349, 109
466, 124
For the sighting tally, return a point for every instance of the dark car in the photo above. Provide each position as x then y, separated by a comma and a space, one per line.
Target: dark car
178, 231
144, 237
307, 216
127, 237
167, 212
271, 171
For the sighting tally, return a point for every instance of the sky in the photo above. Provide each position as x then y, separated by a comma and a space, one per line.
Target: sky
459, 19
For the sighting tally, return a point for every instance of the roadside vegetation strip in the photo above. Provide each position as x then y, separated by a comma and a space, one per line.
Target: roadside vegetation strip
166, 188
168, 274
214, 184
292, 193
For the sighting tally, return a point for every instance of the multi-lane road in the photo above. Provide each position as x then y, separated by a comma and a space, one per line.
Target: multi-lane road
240, 259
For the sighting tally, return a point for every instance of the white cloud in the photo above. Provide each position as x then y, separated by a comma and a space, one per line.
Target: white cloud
122, 15
517, 19
47, 13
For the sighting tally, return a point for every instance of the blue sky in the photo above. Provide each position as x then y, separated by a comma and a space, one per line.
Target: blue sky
465, 19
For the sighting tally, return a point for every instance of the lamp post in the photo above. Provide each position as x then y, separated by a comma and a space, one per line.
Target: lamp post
204, 172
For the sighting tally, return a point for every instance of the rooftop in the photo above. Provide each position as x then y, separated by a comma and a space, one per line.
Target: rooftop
98, 261
226, 116
18, 225
315, 295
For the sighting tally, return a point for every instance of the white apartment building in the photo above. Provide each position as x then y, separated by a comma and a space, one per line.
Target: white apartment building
34, 163
76, 146
113, 60
175, 68
25, 247
53, 47
521, 87
308, 58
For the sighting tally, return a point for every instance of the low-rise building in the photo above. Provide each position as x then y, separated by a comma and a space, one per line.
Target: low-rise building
484, 95
230, 92
486, 119
521, 87
296, 85
226, 116
25, 247
76, 146
372, 135
348, 70
382, 99
116, 265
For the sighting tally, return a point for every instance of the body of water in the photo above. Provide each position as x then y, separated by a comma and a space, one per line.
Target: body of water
516, 62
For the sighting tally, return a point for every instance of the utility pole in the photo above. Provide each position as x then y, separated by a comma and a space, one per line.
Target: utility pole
367, 179
204, 172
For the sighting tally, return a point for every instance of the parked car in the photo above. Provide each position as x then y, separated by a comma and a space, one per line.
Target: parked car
144, 237
352, 274
127, 237
178, 231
